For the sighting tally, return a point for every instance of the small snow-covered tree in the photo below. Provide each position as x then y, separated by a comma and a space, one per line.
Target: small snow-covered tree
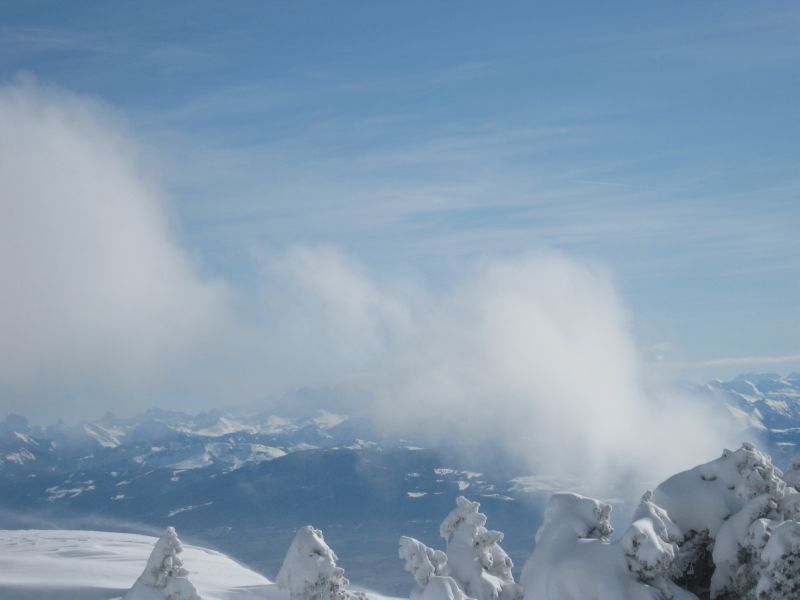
495, 560
474, 556
663, 525
309, 571
780, 559
164, 576
738, 545
429, 568
421, 561
651, 544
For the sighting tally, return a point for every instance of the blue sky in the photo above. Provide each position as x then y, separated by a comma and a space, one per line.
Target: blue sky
657, 140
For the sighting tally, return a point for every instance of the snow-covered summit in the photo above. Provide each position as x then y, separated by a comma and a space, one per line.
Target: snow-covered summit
765, 403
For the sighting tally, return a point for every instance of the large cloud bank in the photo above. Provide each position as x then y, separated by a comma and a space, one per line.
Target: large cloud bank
531, 354
94, 285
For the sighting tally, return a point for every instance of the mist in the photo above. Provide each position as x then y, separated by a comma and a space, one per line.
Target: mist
104, 307
533, 355
96, 292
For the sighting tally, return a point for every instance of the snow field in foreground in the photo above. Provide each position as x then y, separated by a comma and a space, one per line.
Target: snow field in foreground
99, 565
89, 565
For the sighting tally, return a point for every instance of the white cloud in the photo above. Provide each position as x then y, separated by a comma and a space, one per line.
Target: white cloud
94, 284
530, 355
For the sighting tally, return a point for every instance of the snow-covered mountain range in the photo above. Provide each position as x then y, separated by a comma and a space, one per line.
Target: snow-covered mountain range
767, 406
725, 529
232, 480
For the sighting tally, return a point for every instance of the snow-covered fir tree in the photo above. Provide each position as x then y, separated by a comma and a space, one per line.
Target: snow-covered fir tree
475, 558
738, 545
309, 571
164, 577
650, 545
429, 568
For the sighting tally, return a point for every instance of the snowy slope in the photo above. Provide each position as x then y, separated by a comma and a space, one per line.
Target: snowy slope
67, 565
95, 565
